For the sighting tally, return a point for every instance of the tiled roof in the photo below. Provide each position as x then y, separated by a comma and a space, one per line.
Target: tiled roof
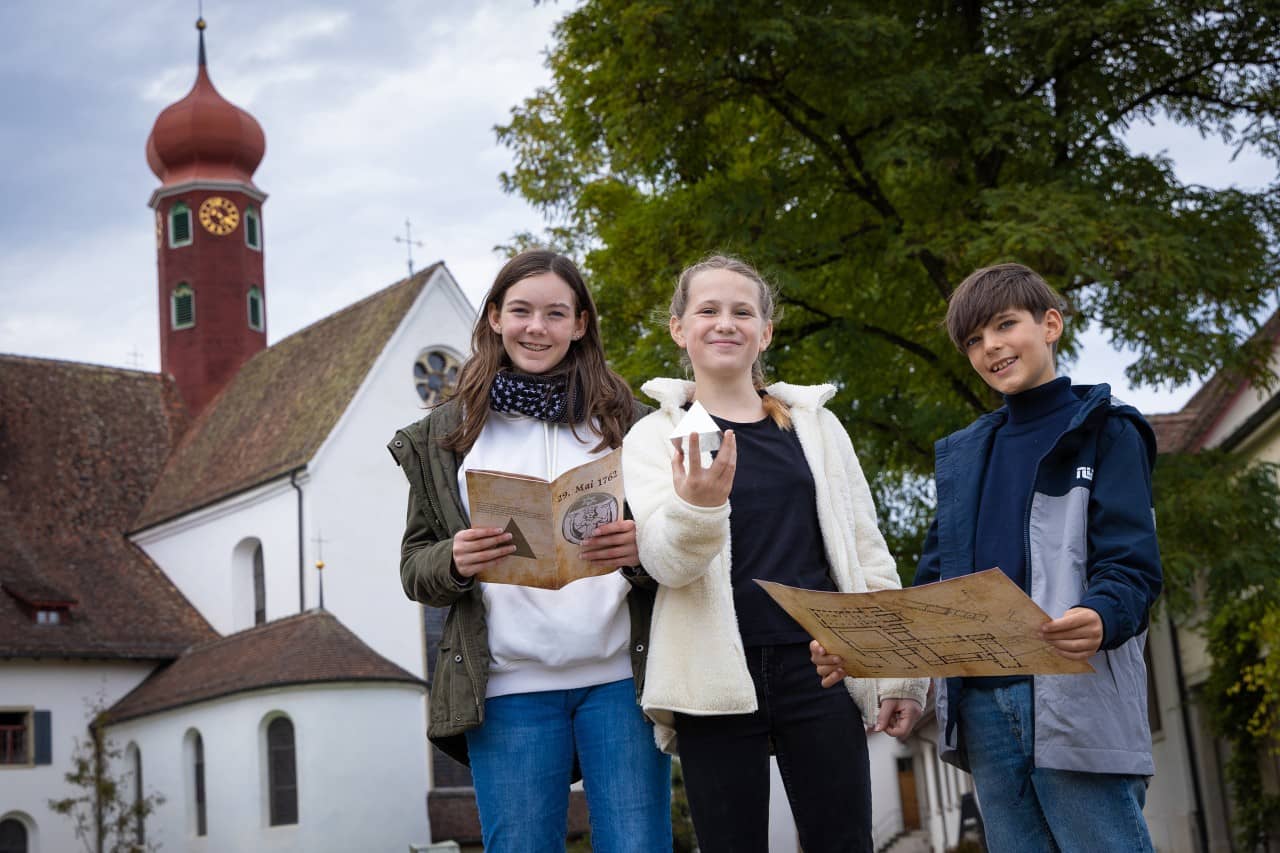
274, 415
309, 648
1185, 431
81, 447
1173, 431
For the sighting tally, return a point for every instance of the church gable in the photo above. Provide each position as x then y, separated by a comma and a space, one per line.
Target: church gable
280, 407
80, 448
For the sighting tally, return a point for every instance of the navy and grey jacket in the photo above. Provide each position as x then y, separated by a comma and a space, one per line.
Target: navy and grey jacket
1091, 542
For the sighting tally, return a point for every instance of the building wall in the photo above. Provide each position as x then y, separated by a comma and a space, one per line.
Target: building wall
361, 768
1171, 808
202, 551
70, 691
357, 494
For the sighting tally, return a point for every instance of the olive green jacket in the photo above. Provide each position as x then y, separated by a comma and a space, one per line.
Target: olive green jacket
435, 514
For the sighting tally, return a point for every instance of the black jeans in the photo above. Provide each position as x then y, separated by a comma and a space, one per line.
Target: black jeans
821, 746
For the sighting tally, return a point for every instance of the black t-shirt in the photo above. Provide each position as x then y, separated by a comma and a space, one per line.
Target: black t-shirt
773, 522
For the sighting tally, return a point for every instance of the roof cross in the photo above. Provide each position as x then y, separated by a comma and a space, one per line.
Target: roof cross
409, 242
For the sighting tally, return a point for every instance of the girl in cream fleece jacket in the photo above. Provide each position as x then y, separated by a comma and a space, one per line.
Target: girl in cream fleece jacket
728, 671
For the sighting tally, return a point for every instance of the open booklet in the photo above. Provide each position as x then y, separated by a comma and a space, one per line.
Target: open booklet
547, 520
981, 624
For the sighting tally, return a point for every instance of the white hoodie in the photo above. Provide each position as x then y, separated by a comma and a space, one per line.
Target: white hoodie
543, 639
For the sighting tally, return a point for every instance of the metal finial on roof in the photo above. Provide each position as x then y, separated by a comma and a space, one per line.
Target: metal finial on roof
320, 540
409, 242
200, 25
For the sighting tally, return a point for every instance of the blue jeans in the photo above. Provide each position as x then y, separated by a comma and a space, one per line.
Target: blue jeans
821, 746
1035, 809
522, 758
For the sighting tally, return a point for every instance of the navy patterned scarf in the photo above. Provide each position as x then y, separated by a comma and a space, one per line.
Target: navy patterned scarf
545, 397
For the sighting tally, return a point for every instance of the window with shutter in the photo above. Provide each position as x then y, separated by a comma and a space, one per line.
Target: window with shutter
183, 306
179, 225
255, 309
252, 237
15, 737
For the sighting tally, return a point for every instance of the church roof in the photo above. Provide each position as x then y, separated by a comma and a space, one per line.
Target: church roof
1185, 431
309, 648
281, 406
81, 446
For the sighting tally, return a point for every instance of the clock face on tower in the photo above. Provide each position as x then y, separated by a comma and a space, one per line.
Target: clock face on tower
219, 215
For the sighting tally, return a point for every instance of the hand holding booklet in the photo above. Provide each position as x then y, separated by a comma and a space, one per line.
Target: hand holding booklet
547, 520
980, 624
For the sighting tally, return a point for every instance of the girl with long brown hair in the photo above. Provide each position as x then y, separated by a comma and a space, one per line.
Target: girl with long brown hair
532, 685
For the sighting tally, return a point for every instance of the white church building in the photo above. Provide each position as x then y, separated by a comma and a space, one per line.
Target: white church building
162, 537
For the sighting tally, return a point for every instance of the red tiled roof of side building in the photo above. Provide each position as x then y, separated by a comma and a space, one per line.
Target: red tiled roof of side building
81, 447
1185, 430
1173, 431
284, 402
309, 648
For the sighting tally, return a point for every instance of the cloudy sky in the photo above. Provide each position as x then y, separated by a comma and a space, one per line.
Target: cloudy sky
373, 114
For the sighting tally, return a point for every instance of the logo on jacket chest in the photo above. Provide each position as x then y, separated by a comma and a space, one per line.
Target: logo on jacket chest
1084, 472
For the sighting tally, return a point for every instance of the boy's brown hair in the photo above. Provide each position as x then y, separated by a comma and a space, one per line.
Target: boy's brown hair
990, 290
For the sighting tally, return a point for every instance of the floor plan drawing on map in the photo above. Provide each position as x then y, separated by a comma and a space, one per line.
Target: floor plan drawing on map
981, 624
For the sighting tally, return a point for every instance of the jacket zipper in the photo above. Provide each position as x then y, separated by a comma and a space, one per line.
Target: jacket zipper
431, 501
465, 651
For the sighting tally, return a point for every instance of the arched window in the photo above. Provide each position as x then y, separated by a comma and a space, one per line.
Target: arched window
282, 775
259, 587
248, 584
179, 225
197, 807
256, 321
139, 819
252, 229
182, 306
13, 836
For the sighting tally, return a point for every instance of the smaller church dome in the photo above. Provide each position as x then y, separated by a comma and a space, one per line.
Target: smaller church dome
204, 136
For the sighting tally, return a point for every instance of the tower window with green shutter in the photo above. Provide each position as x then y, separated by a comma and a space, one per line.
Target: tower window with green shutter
255, 309
252, 229
182, 307
179, 225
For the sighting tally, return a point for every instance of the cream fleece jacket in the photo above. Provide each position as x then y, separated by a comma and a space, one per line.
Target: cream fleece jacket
696, 661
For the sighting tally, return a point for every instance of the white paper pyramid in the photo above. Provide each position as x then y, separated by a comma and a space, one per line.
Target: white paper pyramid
696, 420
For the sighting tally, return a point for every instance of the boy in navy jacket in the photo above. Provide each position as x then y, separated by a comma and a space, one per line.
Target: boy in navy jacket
1055, 489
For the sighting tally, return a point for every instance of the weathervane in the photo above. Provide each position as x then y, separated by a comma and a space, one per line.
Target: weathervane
320, 540
409, 242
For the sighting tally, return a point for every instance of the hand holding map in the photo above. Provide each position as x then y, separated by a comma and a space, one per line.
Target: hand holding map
981, 624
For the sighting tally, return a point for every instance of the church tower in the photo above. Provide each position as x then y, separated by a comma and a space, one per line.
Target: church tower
209, 238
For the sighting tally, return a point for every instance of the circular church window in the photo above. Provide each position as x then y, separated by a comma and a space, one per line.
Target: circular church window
435, 374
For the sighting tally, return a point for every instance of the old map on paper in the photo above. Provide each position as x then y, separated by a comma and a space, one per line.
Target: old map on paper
981, 624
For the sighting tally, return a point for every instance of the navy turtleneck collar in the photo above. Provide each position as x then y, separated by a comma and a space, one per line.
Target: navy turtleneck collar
1033, 404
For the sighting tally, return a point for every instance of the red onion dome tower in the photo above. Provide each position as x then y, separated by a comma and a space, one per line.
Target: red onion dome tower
209, 238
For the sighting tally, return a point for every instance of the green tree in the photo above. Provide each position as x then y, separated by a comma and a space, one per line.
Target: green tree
1219, 537
868, 155
103, 809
